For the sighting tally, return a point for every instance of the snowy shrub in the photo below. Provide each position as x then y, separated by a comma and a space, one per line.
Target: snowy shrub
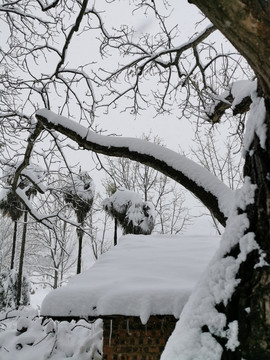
9, 288
26, 336
10, 205
133, 214
79, 192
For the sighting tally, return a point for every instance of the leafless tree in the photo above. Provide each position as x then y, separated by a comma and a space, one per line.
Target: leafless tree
53, 260
222, 157
79, 193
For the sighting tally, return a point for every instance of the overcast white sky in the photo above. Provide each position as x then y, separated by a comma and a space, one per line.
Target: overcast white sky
177, 134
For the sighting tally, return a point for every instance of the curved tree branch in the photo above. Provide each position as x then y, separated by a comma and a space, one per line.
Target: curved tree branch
215, 195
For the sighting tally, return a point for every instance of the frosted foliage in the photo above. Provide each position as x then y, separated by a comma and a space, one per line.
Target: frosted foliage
216, 286
23, 324
134, 215
32, 171
79, 192
30, 338
82, 185
3, 194
9, 288
122, 198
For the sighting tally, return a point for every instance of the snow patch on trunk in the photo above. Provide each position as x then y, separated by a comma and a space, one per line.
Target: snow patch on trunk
194, 335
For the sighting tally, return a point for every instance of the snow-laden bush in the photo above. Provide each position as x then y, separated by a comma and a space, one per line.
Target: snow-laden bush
134, 215
79, 192
9, 288
26, 336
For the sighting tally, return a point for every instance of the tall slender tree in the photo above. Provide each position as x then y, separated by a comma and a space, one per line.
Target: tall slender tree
11, 206
79, 193
30, 191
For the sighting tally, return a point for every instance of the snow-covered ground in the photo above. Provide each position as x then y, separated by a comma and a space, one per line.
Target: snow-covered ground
23, 335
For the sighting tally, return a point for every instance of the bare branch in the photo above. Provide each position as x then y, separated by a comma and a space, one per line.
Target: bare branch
155, 157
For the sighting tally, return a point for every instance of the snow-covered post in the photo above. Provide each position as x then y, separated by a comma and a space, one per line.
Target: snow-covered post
79, 193
134, 215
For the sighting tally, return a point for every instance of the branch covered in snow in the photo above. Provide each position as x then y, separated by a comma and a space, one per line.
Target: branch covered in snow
215, 195
238, 98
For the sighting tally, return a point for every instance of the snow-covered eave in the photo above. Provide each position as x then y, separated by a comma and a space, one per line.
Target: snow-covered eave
90, 318
142, 276
214, 194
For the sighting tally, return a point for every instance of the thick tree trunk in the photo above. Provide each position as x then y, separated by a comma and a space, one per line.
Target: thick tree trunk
14, 240
250, 303
255, 335
20, 272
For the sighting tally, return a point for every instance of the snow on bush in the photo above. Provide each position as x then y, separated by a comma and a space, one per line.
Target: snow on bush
26, 336
9, 288
133, 214
80, 191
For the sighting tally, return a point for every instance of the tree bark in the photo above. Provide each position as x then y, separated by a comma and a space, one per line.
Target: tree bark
253, 292
115, 233
20, 272
79, 258
14, 240
55, 278
257, 166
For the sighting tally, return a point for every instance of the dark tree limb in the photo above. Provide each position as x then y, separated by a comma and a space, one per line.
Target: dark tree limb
222, 106
210, 200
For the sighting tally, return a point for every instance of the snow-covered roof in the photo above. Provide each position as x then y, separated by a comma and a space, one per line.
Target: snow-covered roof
141, 276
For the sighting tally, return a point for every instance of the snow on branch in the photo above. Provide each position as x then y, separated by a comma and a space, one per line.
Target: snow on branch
238, 98
215, 195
